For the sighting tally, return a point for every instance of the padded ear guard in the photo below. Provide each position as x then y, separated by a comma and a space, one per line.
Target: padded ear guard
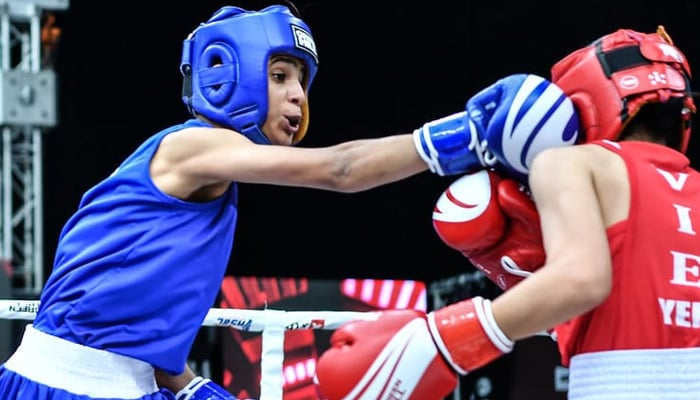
218, 74
611, 79
225, 66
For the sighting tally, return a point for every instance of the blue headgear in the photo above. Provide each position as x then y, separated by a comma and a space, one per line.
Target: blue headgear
225, 65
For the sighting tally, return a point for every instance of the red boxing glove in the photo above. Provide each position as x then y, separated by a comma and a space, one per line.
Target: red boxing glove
392, 357
406, 354
494, 223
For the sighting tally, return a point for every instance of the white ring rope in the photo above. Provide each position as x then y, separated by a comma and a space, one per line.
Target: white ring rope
272, 323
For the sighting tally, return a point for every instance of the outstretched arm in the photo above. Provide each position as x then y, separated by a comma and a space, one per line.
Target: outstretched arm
197, 157
492, 132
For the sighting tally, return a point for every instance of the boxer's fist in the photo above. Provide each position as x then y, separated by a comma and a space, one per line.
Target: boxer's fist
504, 126
406, 354
467, 215
519, 116
494, 223
391, 357
519, 252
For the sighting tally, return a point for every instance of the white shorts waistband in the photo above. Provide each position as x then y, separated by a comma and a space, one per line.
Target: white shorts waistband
669, 374
78, 369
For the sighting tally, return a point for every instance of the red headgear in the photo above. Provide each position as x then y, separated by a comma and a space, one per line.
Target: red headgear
611, 79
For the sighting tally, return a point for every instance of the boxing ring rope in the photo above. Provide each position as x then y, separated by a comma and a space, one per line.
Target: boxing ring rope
270, 322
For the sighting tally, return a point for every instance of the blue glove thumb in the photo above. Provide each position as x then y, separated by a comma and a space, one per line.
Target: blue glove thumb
520, 115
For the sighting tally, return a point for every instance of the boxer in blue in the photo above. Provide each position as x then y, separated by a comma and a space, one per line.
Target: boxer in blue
141, 261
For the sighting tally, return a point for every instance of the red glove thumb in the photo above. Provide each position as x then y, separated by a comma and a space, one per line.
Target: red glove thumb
518, 205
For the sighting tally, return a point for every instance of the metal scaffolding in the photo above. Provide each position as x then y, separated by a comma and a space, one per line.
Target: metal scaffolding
27, 110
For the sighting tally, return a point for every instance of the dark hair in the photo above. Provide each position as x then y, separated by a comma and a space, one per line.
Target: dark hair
661, 122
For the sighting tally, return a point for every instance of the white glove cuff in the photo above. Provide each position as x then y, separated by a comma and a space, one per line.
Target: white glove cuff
493, 331
422, 143
191, 388
467, 334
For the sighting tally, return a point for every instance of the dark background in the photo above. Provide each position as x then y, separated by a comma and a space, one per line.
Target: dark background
385, 67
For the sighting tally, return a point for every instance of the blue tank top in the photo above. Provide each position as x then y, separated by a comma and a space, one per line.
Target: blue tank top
136, 270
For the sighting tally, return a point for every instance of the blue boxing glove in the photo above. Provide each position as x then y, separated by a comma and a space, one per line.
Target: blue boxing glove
203, 389
504, 127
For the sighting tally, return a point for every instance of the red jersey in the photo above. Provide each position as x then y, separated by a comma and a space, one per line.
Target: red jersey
655, 297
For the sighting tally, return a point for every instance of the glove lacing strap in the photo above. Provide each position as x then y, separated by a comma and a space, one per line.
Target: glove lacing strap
513, 268
480, 147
